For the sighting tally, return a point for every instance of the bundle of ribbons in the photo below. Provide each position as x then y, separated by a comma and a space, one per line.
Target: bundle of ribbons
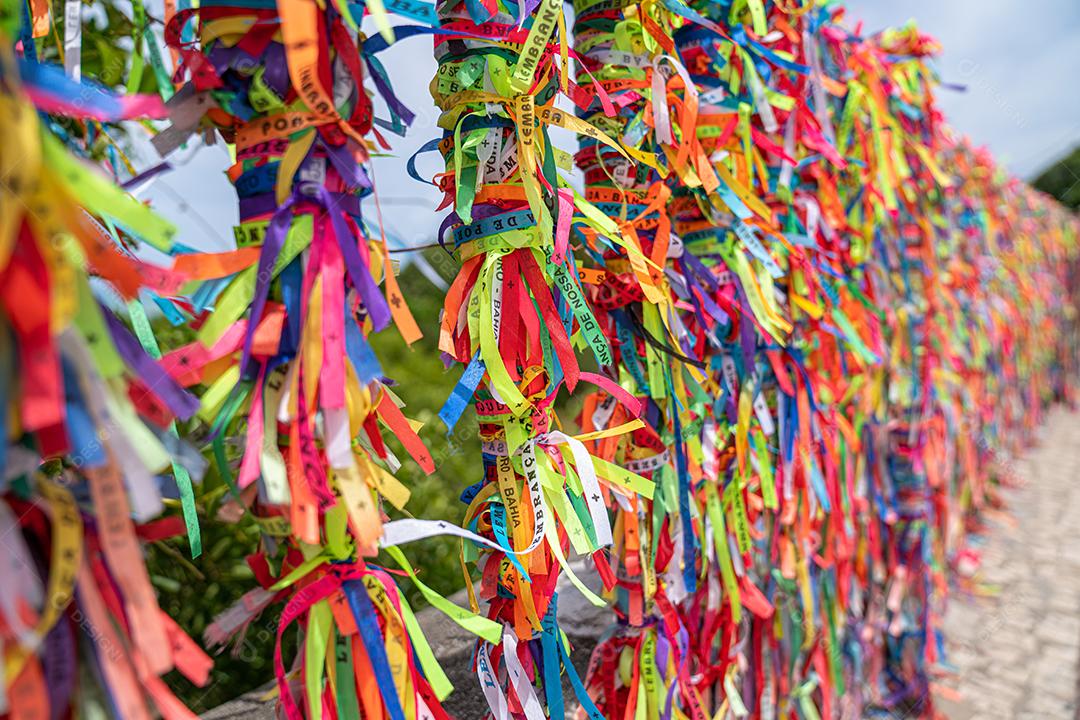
665, 321
513, 315
89, 447
796, 319
282, 356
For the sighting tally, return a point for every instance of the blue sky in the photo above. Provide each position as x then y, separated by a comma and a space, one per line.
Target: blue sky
1019, 61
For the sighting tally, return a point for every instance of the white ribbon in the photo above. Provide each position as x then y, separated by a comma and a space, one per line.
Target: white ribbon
524, 689
594, 500
490, 685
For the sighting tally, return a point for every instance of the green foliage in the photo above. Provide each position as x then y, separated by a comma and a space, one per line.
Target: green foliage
1062, 180
106, 58
107, 44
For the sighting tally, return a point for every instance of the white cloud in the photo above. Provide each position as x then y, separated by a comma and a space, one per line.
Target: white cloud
1019, 62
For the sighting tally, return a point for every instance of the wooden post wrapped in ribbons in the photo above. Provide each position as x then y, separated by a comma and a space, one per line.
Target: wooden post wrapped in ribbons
283, 352
663, 323
512, 318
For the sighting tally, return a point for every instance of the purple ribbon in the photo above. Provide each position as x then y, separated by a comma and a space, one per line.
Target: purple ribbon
377, 74
358, 272
146, 175
271, 248
350, 171
59, 666
276, 75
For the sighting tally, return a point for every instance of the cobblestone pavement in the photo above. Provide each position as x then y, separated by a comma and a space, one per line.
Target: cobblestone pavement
1015, 643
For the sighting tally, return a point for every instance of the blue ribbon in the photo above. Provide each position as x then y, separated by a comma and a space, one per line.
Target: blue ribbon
462, 393
364, 613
